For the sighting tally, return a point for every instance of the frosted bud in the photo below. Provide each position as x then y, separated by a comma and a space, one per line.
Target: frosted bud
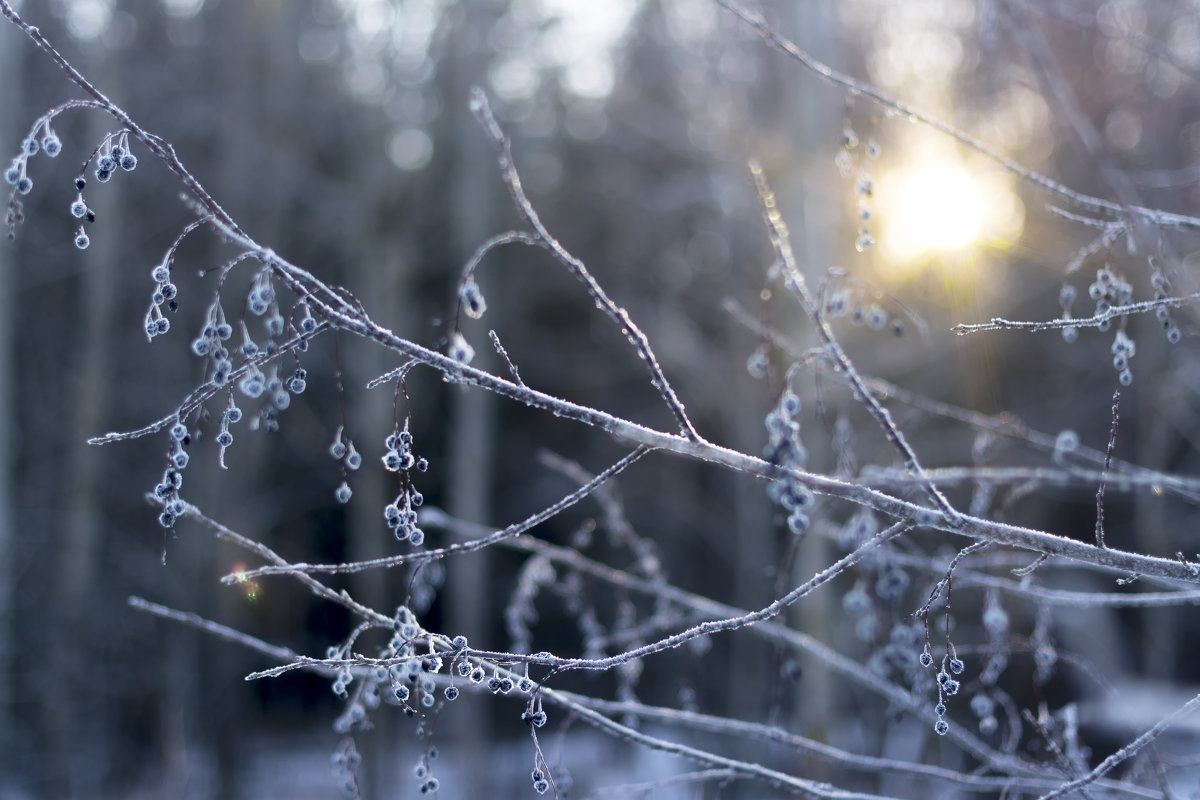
845, 163
1066, 441
472, 299
1066, 295
460, 350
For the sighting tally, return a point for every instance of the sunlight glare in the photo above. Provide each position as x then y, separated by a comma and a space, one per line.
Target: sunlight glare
930, 208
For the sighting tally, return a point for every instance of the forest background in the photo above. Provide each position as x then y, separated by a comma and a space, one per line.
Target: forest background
341, 133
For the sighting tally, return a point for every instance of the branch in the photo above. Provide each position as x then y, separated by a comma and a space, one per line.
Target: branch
512, 531
825, 72
1126, 752
781, 241
1094, 321
483, 112
216, 629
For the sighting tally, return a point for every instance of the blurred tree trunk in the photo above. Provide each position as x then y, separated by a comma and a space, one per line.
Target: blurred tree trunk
381, 273
76, 709
472, 423
245, 69
10, 90
1160, 412
811, 111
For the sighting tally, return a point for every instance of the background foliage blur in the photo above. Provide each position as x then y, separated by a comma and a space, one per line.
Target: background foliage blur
338, 132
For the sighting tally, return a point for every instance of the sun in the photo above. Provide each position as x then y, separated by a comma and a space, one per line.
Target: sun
930, 208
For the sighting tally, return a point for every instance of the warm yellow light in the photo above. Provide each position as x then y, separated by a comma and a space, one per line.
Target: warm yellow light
930, 208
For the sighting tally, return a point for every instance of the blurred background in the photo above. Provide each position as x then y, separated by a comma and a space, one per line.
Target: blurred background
338, 133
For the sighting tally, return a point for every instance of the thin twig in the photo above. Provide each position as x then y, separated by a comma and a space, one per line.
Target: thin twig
216, 629
781, 241
483, 112
500, 351
514, 530
1112, 443
1094, 321
825, 72
1126, 752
